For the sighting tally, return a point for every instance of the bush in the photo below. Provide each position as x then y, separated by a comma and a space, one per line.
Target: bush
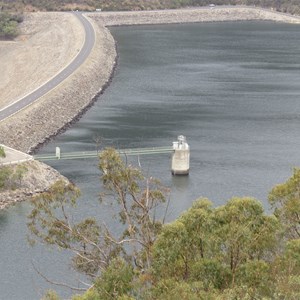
9, 25
5, 174
11, 178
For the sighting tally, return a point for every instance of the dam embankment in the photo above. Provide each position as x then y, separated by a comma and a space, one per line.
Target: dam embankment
192, 15
62, 106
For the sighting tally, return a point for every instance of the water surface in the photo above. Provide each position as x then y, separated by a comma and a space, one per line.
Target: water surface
231, 88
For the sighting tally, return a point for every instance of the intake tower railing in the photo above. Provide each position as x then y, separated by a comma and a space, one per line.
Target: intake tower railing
180, 162
94, 154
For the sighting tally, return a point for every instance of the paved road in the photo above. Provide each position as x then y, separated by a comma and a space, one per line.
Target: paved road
65, 73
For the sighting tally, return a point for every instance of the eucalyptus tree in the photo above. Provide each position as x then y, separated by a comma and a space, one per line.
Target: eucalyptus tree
285, 200
245, 233
285, 272
185, 241
217, 247
94, 244
235, 251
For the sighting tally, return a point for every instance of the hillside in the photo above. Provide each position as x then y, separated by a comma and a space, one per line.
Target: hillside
288, 6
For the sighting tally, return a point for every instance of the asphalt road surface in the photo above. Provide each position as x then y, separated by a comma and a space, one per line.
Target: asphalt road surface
65, 73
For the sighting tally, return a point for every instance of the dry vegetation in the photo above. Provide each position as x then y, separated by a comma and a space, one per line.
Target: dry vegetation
289, 6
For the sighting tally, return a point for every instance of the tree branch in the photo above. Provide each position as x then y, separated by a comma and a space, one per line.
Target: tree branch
56, 283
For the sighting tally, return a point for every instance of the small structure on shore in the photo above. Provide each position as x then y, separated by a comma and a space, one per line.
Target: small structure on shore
181, 157
57, 152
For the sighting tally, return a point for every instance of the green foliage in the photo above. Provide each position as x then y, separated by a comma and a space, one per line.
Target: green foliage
91, 294
9, 25
181, 241
234, 251
11, 177
170, 289
285, 272
2, 152
19, 174
216, 246
255, 275
95, 247
211, 272
138, 197
51, 295
244, 232
115, 281
44, 222
5, 174
285, 200
292, 253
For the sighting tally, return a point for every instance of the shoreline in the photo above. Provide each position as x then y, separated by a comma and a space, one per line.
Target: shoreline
42, 121
37, 179
63, 106
27, 131
77, 117
192, 15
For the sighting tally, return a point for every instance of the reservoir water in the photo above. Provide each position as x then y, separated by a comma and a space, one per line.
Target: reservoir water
231, 88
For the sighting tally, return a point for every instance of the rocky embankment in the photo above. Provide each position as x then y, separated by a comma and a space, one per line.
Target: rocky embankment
192, 15
38, 178
59, 108
55, 111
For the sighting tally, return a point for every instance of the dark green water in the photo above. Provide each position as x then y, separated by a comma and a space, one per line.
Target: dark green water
233, 89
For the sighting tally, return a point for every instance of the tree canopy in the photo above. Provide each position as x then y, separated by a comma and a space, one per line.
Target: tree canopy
9, 25
94, 245
235, 251
11, 177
